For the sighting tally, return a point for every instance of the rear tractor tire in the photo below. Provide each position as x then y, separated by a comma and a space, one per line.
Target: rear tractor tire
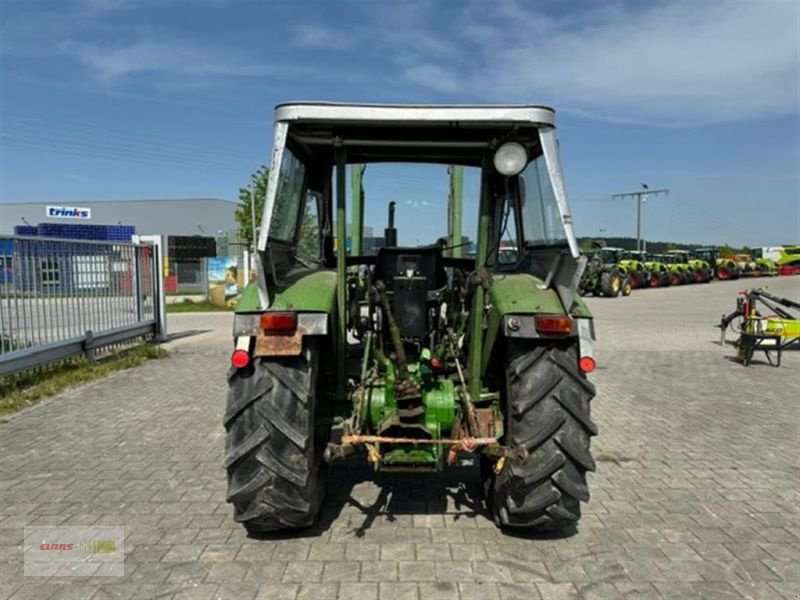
610, 283
548, 414
275, 472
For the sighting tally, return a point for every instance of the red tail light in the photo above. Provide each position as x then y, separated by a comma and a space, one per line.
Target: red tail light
279, 322
554, 325
587, 364
240, 359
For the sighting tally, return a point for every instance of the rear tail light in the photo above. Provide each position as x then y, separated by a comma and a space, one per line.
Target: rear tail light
554, 325
240, 358
587, 364
279, 322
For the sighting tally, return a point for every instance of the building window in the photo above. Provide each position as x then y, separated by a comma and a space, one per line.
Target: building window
50, 272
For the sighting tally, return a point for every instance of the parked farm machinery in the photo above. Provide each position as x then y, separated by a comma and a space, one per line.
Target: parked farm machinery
604, 276
765, 323
724, 267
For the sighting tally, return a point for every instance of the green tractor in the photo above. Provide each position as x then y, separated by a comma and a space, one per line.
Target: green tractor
678, 271
638, 271
659, 273
416, 357
698, 270
724, 268
604, 276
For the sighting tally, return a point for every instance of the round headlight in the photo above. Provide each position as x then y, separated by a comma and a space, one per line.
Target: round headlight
510, 159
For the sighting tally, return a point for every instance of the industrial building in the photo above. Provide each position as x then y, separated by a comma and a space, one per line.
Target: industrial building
178, 217
195, 228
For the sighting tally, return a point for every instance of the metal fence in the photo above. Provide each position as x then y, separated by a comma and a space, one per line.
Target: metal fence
63, 297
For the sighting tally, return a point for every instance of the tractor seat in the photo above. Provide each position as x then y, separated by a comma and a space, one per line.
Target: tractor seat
397, 261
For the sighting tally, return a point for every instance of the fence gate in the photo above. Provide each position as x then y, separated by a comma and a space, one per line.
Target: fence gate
59, 298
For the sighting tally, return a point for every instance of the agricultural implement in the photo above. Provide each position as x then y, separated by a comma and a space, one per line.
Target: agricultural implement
416, 356
788, 262
760, 331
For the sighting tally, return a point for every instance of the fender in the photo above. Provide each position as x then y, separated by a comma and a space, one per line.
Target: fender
311, 296
520, 295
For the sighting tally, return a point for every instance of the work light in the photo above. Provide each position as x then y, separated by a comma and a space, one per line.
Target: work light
510, 159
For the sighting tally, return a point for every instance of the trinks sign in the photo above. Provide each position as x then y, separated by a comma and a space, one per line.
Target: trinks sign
69, 212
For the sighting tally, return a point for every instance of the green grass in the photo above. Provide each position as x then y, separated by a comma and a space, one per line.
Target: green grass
21, 390
190, 306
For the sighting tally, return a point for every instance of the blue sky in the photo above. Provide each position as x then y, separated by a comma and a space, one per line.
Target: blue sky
121, 99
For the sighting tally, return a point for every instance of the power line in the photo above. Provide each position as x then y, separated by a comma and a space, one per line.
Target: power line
641, 197
104, 137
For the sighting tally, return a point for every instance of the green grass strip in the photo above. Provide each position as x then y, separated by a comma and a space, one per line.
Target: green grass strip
21, 390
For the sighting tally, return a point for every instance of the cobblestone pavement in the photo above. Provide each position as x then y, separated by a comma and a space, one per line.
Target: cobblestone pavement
695, 496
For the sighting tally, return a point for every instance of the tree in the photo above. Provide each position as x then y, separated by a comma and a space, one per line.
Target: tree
726, 251
258, 182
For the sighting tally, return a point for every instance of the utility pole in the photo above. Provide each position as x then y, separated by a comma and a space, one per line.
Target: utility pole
641, 197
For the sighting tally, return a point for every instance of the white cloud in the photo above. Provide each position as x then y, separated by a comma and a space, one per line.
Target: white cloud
683, 61
317, 36
165, 57
433, 77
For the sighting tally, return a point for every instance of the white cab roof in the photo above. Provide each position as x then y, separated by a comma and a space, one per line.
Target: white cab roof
415, 113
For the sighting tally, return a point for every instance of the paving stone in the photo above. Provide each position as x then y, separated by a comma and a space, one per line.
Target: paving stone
318, 591
398, 591
437, 590
278, 591
341, 571
374, 570
303, 571
478, 591
519, 591
417, 571
357, 591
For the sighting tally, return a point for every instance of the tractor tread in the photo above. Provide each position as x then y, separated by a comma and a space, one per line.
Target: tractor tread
545, 489
274, 472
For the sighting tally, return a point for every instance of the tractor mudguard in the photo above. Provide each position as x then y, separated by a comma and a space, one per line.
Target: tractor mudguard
311, 296
520, 294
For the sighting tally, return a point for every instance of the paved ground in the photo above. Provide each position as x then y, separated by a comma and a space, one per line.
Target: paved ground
696, 493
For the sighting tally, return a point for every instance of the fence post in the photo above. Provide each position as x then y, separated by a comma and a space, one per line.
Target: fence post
88, 349
159, 293
137, 282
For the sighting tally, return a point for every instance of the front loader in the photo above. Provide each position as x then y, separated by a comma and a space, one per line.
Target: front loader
417, 355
